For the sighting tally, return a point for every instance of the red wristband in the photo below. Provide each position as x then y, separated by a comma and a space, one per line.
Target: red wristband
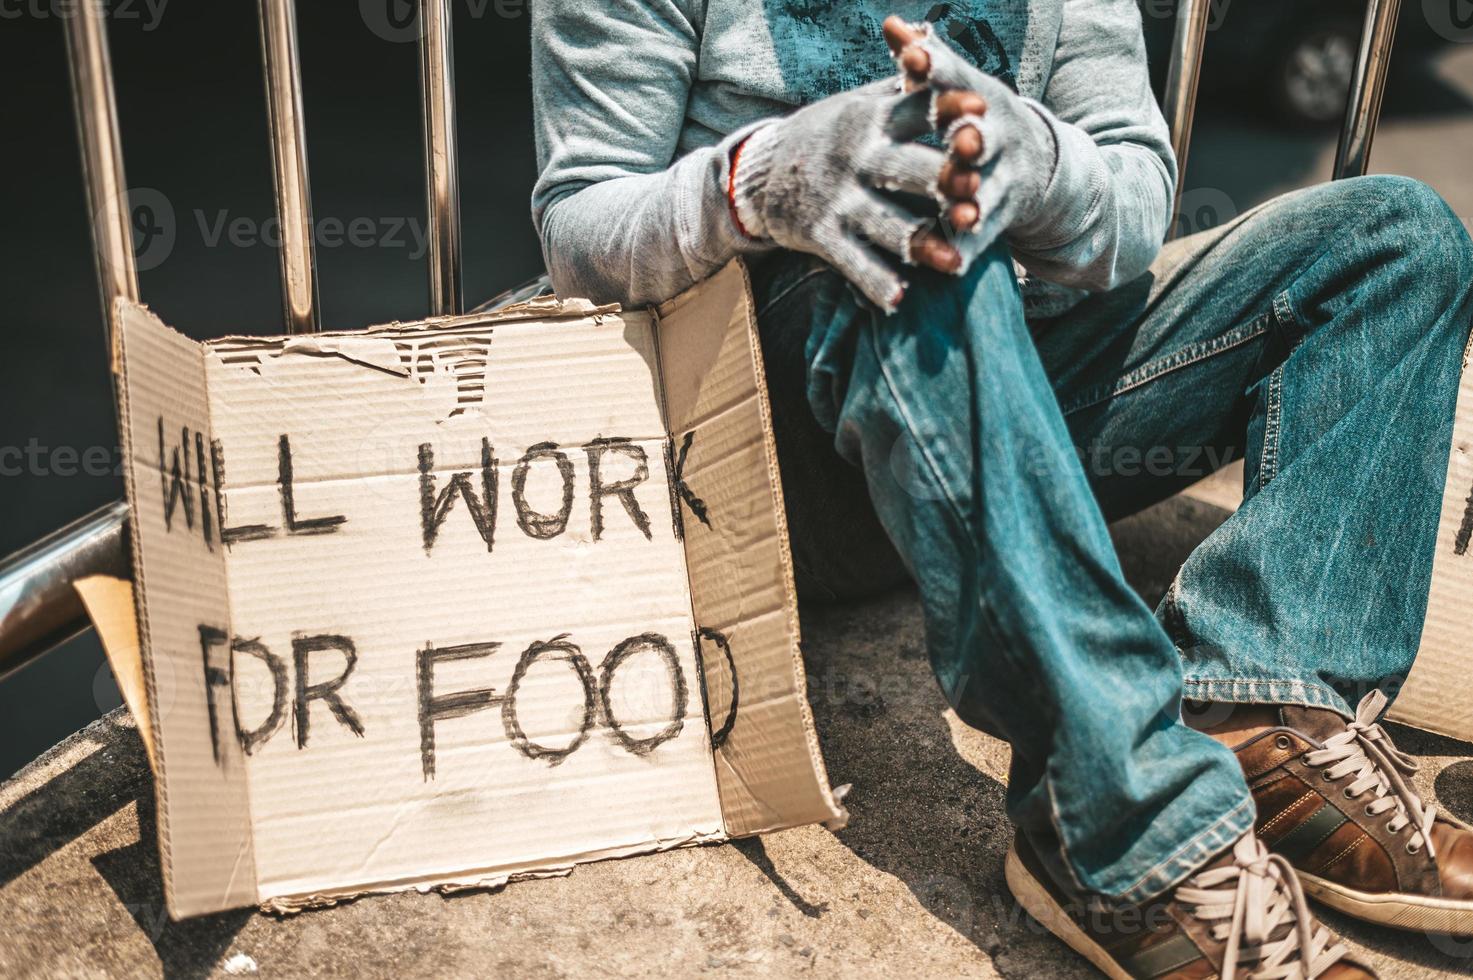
731, 202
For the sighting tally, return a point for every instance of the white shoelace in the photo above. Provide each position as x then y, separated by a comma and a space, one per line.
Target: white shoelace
1251, 900
1366, 750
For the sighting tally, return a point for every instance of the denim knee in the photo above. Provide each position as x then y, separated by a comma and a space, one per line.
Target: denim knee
1415, 222
1428, 220
1385, 242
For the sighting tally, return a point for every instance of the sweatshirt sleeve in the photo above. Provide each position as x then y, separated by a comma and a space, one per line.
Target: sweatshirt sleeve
1107, 204
619, 218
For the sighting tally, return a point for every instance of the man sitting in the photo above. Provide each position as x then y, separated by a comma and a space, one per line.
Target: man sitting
962, 293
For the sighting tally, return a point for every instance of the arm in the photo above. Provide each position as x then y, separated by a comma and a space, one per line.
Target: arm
618, 221
1108, 204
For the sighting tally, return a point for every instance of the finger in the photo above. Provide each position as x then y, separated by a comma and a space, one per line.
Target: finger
951, 106
916, 64
971, 141
966, 145
964, 216
930, 248
904, 41
881, 222
868, 272
899, 33
909, 167
959, 182
988, 226
946, 69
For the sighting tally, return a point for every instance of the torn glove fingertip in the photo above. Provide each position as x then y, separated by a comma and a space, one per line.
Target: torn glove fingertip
979, 123
888, 304
908, 250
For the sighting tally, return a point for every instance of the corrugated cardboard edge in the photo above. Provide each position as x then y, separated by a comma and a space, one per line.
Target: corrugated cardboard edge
1437, 696
838, 815
489, 880
541, 308
151, 722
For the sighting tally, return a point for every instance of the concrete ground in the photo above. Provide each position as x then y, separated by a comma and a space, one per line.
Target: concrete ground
913, 887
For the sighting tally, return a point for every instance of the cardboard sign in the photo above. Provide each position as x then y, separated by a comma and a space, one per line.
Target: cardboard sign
1438, 695
455, 601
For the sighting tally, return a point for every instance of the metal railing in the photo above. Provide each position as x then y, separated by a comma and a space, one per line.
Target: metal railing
442, 164
1367, 85
38, 606
39, 609
1362, 110
283, 71
102, 159
1179, 100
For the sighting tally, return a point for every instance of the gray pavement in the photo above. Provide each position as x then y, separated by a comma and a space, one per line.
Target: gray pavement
913, 887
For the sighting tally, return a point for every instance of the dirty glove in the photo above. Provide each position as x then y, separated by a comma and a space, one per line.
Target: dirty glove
812, 182
1018, 151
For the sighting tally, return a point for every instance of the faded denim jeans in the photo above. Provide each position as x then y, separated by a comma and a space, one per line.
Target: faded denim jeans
1320, 337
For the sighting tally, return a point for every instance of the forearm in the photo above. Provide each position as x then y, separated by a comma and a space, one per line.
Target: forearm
1104, 213
1109, 198
641, 239
814, 181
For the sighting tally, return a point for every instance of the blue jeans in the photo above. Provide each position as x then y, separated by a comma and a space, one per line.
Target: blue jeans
1320, 337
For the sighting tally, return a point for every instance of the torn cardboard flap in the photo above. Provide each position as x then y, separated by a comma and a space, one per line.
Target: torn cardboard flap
438, 603
109, 604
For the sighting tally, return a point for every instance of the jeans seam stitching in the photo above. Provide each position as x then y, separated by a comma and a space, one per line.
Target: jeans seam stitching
1273, 690
1187, 356
1284, 311
1268, 464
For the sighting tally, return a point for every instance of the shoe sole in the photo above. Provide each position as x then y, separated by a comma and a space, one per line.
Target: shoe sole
1418, 913
1035, 899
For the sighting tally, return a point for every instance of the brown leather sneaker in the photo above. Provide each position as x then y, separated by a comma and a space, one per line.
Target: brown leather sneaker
1242, 913
1333, 799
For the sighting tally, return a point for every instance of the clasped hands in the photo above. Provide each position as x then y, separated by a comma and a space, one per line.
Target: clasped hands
846, 179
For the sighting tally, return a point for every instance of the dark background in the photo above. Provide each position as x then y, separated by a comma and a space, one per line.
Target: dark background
191, 106
192, 110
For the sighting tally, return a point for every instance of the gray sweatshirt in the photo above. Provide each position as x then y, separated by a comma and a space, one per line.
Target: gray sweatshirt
638, 103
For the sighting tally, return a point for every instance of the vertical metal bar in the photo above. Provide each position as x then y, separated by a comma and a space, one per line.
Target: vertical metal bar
1182, 75
1367, 86
442, 165
102, 155
289, 164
